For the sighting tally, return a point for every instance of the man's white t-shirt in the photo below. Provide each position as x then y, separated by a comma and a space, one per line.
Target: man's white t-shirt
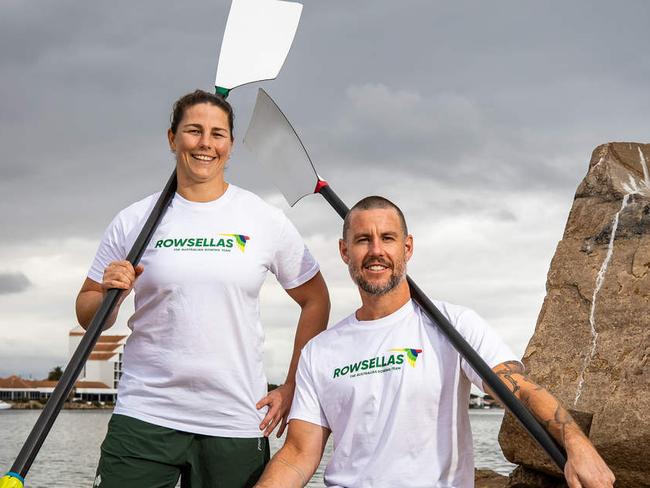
194, 361
395, 394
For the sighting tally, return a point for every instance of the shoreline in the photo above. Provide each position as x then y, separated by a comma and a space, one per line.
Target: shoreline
36, 405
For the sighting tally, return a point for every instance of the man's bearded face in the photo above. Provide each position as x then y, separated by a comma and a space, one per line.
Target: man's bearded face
376, 250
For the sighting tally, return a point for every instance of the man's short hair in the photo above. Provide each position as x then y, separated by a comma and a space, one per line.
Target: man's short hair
371, 203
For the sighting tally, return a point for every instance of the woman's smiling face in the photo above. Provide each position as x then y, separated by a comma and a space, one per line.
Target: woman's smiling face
202, 144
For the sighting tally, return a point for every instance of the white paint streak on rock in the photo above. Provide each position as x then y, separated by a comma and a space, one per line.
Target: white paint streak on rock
600, 278
644, 164
634, 187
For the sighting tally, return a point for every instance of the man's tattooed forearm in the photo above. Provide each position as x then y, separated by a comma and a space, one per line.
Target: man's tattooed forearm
560, 422
513, 374
513, 367
506, 372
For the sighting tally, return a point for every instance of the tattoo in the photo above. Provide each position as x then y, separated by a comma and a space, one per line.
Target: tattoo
295, 468
560, 422
505, 372
533, 396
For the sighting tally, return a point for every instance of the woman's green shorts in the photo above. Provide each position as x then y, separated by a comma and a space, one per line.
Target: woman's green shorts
137, 454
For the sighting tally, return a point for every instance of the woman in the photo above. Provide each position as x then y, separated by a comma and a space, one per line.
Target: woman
192, 395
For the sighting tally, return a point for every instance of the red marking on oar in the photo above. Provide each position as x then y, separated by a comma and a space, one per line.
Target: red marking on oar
320, 185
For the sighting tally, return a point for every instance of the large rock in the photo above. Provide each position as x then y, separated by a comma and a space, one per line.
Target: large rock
527, 478
591, 346
486, 478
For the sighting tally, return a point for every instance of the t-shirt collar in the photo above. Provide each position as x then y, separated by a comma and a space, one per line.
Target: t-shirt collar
212, 204
395, 317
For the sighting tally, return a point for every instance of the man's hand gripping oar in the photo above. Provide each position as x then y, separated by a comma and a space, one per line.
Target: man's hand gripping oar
273, 140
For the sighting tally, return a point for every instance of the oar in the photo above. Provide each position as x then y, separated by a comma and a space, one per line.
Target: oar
277, 146
16, 477
257, 39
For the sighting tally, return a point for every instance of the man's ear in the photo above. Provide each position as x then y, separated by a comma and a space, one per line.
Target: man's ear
343, 250
408, 246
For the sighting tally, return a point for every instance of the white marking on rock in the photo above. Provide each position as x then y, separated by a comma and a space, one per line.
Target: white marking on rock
635, 187
644, 164
632, 187
600, 279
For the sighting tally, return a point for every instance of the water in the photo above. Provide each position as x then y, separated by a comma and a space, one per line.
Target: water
69, 455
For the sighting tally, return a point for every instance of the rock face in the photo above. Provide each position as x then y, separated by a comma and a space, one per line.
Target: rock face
591, 346
486, 478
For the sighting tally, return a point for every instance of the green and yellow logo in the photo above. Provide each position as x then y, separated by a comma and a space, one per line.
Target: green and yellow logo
225, 243
240, 239
411, 354
379, 364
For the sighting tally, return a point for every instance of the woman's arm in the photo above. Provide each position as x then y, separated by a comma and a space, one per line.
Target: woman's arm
118, 274
313, 299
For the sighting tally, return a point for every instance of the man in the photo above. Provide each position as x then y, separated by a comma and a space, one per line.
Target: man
392, 389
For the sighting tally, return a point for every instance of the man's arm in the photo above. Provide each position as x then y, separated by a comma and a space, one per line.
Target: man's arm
295, 463
314, 302
584, 468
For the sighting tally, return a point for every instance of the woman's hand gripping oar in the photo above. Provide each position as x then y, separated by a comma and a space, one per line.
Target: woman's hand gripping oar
256, 42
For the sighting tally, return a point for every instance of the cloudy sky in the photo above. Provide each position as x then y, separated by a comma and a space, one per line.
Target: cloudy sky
477, 118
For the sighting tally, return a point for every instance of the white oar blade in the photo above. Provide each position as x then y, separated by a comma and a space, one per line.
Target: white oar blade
256, 41
274, 142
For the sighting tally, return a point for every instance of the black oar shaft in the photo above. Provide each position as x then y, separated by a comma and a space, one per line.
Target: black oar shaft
490, 379
334, 200
54, 404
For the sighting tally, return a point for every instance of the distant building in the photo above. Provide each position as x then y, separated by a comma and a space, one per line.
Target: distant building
104, 365
491, 402
17, 389
105, 362
475, 401
97, 382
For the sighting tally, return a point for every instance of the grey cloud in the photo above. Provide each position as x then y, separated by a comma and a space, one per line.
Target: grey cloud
448, 108
13, 283
445, 137
499, 96
545, 84
32, 367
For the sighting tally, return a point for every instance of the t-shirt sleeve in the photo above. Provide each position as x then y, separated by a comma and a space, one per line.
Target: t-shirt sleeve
292, 263
306, 404
485, 341
111, 248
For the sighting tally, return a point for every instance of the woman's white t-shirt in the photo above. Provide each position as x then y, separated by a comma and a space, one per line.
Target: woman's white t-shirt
194, 361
